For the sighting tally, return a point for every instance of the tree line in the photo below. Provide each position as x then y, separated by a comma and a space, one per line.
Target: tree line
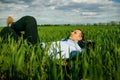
112, 23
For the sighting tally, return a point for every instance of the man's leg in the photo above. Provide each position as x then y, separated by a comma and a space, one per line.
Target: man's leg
31, 31
27, 24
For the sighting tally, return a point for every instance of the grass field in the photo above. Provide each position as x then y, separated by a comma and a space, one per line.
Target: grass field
20, 61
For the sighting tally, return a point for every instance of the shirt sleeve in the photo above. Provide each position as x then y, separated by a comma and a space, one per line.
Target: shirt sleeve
42, 45
54, 50
75, 53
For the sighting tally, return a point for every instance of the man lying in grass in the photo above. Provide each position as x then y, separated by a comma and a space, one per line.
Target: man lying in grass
67, 50
67, 47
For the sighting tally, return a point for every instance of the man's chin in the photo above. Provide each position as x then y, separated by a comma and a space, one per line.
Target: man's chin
70, 37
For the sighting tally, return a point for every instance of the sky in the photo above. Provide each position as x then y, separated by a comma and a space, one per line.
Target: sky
61, 11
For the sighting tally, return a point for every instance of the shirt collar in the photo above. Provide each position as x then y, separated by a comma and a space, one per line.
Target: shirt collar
71, 41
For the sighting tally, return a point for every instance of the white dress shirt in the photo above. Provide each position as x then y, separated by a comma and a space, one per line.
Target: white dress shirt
63, 49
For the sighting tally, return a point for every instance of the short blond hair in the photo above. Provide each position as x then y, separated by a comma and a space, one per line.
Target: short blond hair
9, 20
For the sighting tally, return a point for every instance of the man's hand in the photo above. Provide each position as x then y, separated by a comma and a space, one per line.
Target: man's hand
89, 40
9, 21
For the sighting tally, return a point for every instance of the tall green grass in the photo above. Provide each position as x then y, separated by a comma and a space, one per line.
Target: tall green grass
22, 61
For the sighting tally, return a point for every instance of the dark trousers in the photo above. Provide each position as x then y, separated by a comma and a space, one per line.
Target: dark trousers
8, 32
28, 25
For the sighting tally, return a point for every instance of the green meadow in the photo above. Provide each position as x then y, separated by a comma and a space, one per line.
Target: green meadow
20, 61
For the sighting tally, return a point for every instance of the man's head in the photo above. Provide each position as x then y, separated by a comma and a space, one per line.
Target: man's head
76, 35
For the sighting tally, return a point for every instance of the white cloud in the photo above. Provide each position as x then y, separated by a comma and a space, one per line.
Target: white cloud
89, 13
62, 11
52, 7
93, 1
109, 7
13, 7
18, 7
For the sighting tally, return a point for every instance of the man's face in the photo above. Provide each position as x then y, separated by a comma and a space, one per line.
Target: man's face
76, 35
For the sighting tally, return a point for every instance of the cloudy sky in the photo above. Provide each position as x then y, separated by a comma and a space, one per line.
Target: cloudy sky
61, 11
